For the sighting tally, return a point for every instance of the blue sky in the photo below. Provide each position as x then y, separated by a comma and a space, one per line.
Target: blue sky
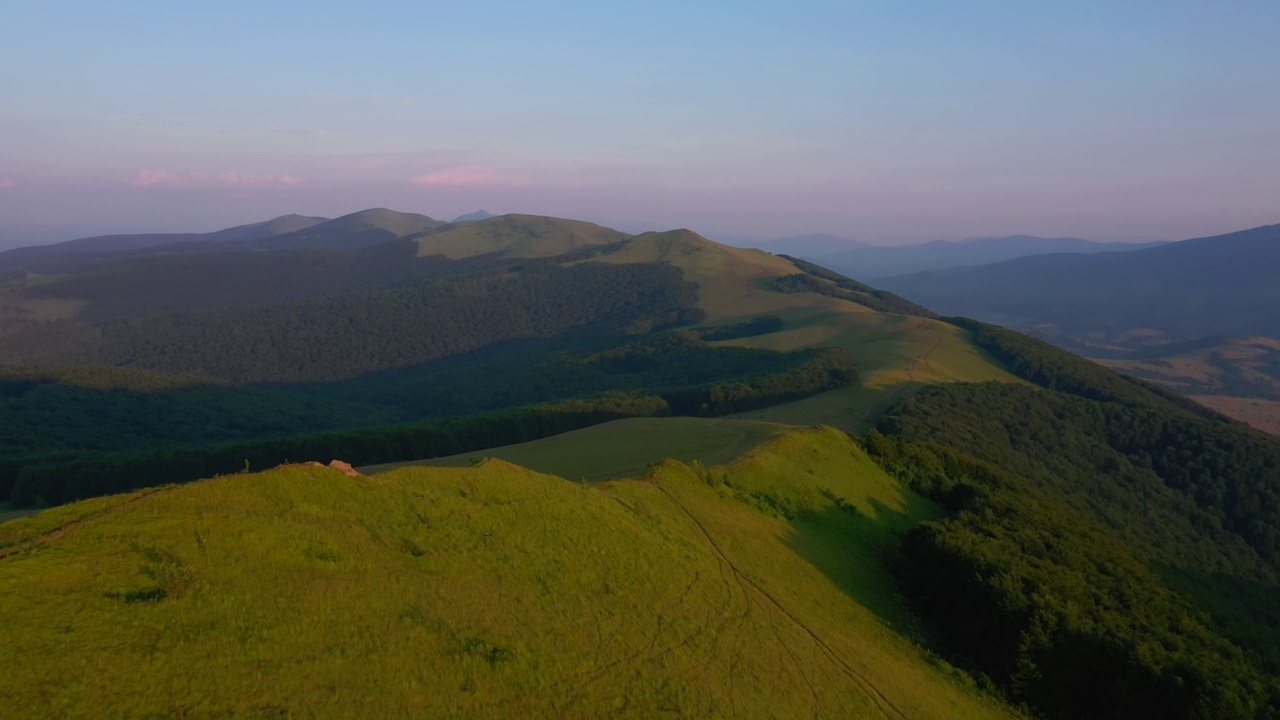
882, 121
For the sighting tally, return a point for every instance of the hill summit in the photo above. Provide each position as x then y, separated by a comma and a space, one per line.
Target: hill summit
526, 236
475, 216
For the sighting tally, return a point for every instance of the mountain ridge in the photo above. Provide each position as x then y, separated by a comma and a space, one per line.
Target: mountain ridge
1182, 290
89, 251
877, 262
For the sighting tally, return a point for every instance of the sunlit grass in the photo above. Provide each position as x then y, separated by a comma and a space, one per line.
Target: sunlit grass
752, 589
621, 448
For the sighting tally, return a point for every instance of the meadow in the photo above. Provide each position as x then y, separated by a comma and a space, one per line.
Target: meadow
755, 588
620, 448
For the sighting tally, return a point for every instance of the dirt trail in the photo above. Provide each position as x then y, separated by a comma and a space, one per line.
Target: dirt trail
885, 706
61, 531
911, 373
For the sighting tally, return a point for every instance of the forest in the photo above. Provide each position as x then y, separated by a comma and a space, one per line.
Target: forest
1109, 550
153, 432
333, 338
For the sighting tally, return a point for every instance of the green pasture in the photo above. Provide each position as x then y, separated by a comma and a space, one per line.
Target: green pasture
621, 448
751, 589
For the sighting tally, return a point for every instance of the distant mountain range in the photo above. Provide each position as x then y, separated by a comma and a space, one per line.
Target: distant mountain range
1173, 292
289, 232
870, 262
812, 246
1009, 510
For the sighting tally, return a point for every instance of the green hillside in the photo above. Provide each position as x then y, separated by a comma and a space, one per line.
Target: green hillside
622, 448
515, 236
1087, 545
1110, 549
302, 342
490, 591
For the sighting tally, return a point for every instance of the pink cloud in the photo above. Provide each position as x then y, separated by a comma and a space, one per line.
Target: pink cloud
467, 176
149, 178
227, 179
7, 183
249, 180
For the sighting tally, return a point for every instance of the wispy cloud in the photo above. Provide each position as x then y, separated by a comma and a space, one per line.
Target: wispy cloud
469, 176
150, 178
226, 179
7, 183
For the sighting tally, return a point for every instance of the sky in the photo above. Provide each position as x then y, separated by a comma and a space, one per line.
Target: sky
888, 122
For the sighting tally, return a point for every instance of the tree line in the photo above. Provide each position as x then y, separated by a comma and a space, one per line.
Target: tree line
53, 480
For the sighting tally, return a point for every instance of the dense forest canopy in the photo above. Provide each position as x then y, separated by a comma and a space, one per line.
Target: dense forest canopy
331, 338
53, 417
1112, 551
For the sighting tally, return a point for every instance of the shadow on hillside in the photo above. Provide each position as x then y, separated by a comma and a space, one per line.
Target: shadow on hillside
855, 551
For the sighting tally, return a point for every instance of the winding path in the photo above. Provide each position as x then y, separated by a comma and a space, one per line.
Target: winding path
911, 373
58, 532
749, 586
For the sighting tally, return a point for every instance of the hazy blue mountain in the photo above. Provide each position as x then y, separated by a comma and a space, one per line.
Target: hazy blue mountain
291, 232
475, 216
870, 262
90, 251
1176, 291
349, 232
812, 245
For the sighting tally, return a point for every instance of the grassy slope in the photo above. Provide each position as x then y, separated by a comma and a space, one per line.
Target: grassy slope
515, 236
726, 276
488, 591
622, 448
895, 352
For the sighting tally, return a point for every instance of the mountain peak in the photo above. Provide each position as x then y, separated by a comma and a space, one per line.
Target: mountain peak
392, 221
474, 217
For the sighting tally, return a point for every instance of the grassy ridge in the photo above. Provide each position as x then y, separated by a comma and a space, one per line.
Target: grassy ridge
622, 448
528, 236
499, 593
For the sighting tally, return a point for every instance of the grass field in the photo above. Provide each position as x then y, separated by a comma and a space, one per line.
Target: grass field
754, 589
1238, 376
853, 409
621, 448
891, 349
1238, 365
1262, 414
18, 312
896, 354
726, 276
